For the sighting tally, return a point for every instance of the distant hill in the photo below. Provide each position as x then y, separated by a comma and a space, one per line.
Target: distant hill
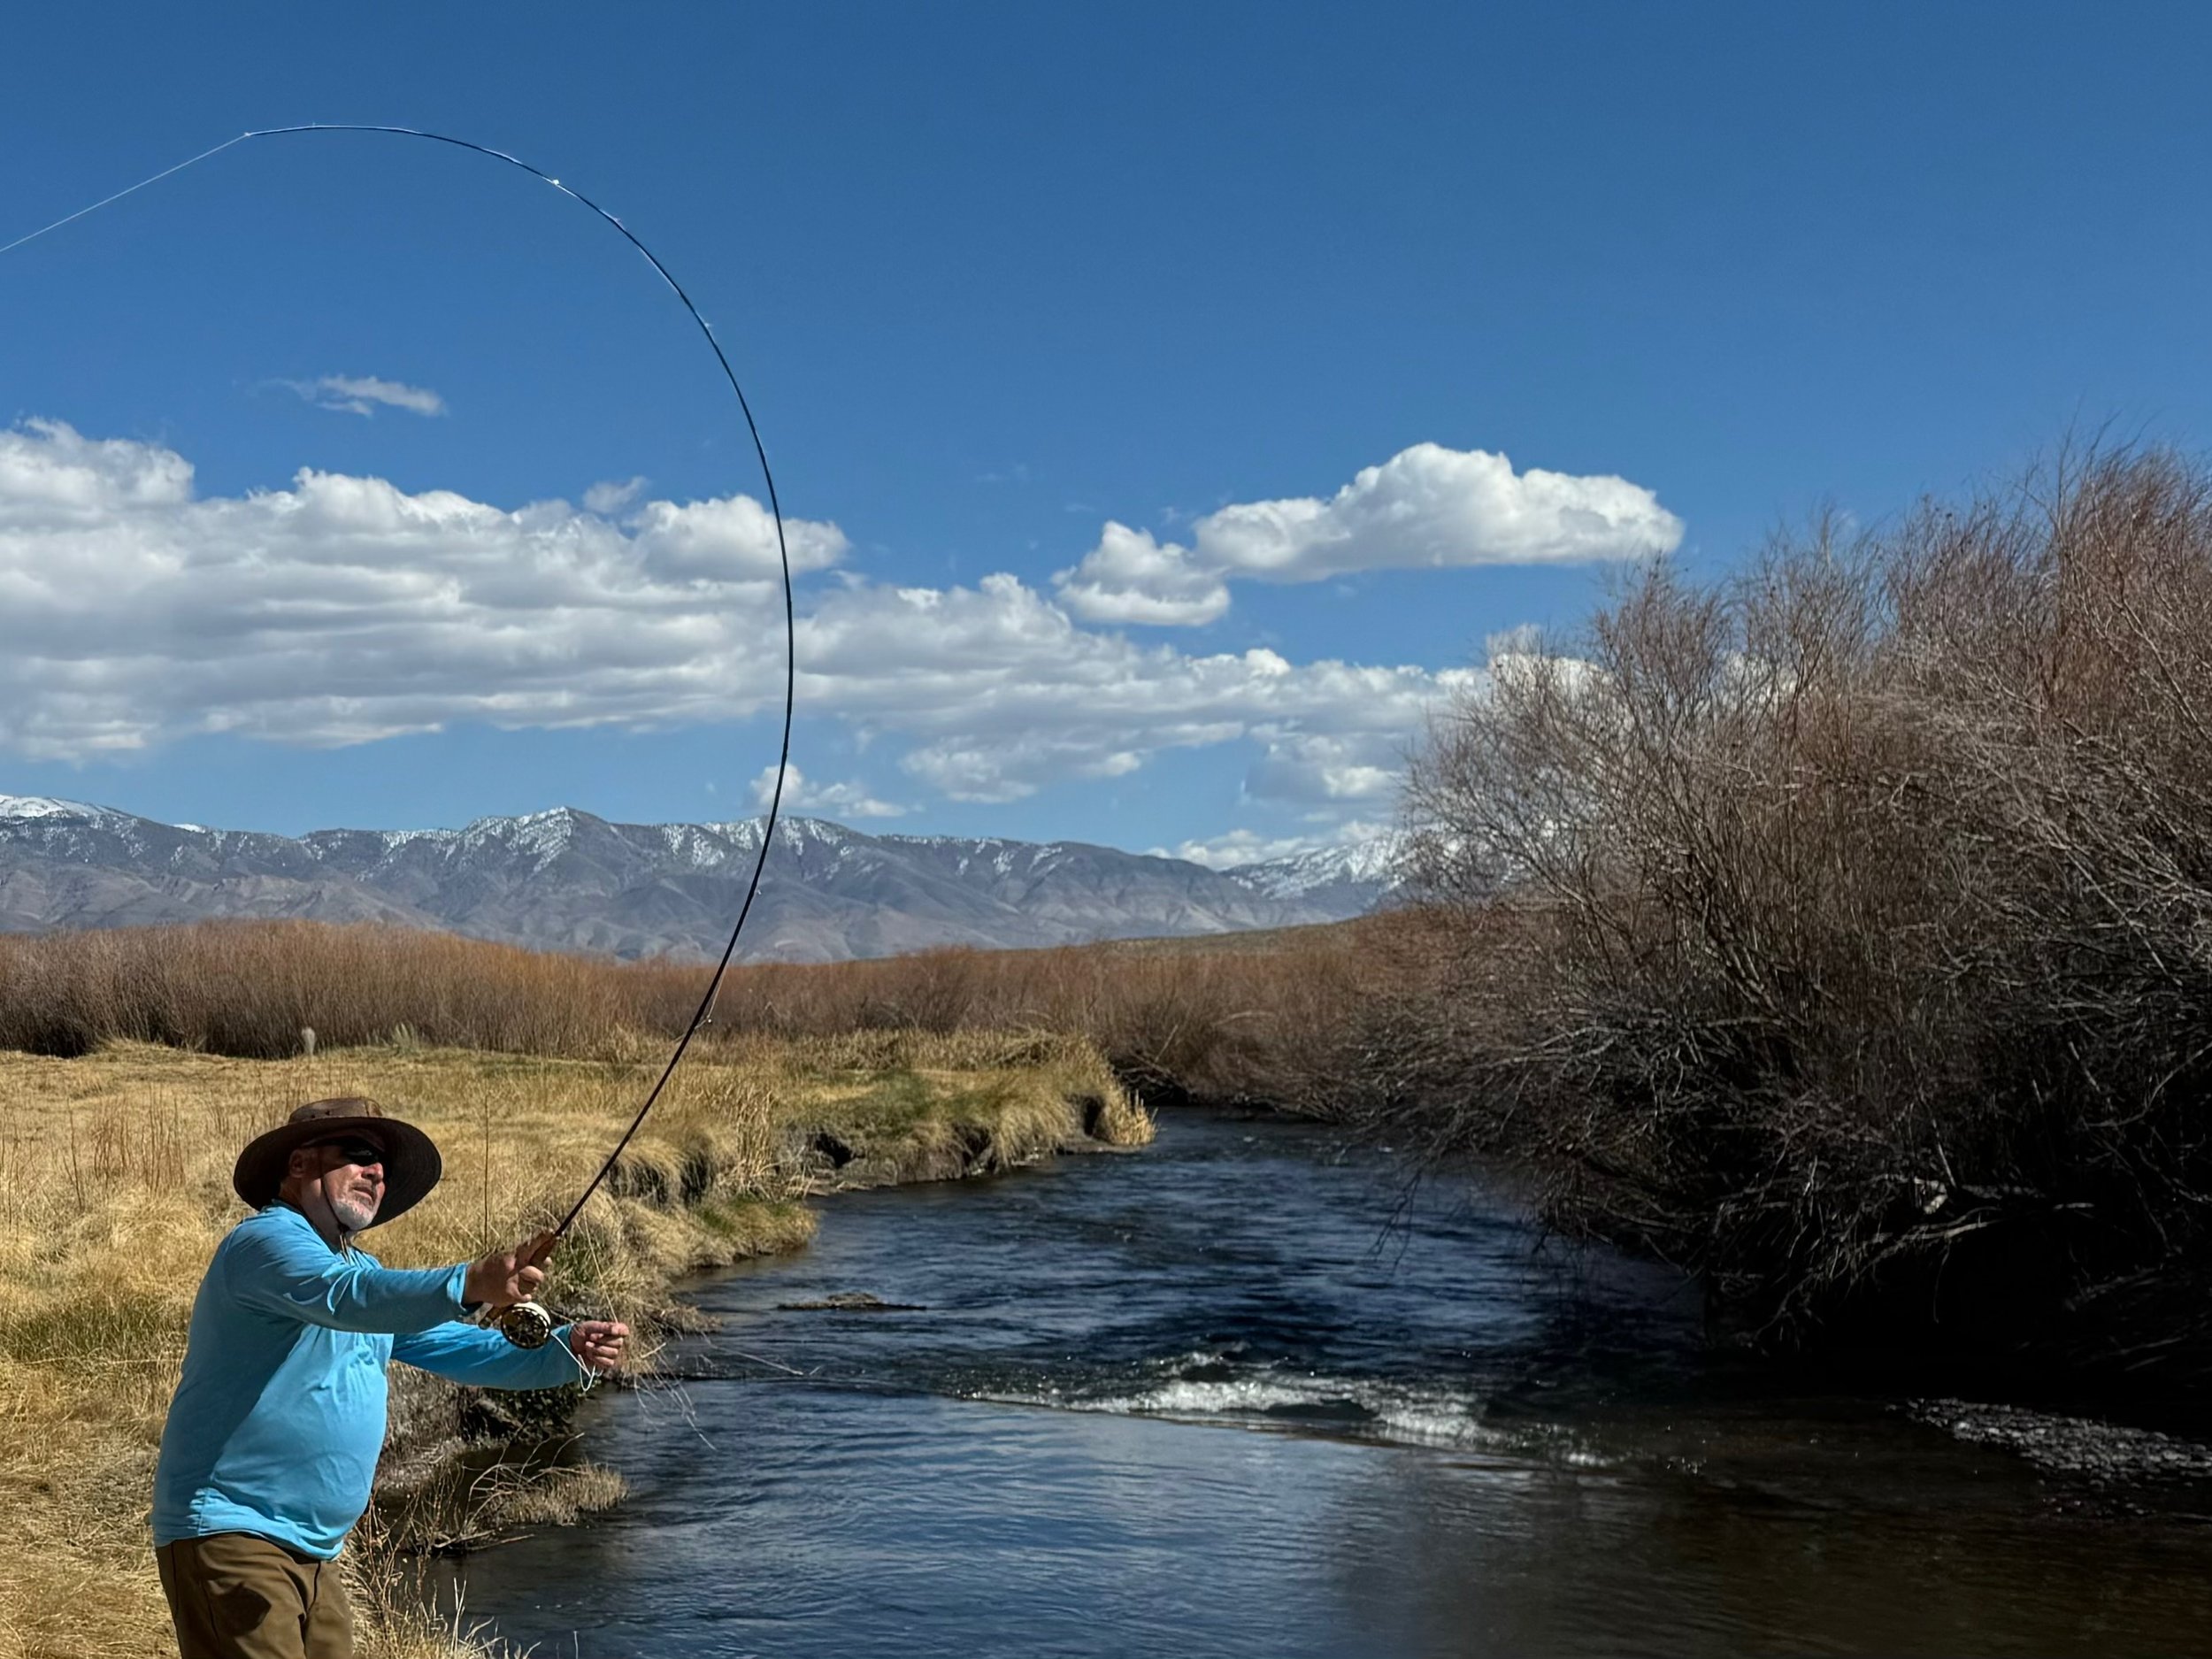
565, 879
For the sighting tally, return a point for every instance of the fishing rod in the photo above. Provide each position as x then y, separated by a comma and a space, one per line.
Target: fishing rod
528, 1324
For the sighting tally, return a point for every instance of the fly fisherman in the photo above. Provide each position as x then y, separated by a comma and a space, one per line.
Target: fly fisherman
272, 1439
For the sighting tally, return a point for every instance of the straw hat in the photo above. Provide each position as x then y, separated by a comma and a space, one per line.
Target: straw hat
411, 1164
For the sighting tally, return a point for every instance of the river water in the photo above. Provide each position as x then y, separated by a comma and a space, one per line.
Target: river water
1246, 1393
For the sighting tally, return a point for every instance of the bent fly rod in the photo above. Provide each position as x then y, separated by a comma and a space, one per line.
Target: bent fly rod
528, 1323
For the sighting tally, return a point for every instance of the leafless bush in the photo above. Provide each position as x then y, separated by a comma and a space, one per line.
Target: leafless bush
1846, 930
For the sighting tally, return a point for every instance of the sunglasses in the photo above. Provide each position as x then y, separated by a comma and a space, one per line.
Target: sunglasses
363, 1152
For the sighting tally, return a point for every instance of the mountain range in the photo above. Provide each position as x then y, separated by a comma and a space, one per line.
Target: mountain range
564, 879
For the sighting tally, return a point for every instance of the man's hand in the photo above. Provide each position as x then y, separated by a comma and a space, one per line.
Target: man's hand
599, 1344
507, 1277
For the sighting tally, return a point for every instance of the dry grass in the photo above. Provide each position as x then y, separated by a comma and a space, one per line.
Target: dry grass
114, 1190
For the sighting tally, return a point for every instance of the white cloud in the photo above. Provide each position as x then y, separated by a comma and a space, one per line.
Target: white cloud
1352, 831
1250, 846
1240, 847
1129, 577
363, 394
727, 540
1427, 507
341, 609
612, 497
839, 800
49, 476
1003, 692
1522, 658
1324, 769
993, 768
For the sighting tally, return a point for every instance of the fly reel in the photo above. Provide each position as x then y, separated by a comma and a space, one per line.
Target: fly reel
526, 1325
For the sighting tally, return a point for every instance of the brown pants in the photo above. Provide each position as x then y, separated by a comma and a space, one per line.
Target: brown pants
236, 1596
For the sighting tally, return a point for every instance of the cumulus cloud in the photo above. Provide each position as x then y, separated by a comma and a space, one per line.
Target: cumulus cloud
1427, 507
1324, 769
1131, 577
997, 769
1250, 846
1522, 658
727, 540
802, 794
364, 394
610, 496
1240, 847
1003, 692
341, 609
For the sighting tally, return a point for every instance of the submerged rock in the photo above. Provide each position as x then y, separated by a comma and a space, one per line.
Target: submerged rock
850, 1301
2102, 1453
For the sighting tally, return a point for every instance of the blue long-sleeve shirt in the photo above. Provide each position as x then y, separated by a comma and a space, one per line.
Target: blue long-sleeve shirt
279, 1418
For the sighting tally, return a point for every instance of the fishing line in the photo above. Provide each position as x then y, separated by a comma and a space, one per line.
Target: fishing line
527, 1324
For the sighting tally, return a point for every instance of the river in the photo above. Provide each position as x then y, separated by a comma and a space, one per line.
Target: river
1248, 1393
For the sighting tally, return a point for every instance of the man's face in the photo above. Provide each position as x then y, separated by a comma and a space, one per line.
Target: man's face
352, 1179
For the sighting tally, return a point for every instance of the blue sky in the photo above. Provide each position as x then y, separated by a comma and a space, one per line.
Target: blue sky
1074, 333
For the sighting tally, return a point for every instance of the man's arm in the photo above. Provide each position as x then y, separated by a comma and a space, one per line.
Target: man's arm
484, 1359
294, 1275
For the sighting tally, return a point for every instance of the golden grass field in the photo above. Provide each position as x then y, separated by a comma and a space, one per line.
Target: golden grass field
115, 1187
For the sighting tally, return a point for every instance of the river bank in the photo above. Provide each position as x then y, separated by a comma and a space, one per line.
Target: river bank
114, 1188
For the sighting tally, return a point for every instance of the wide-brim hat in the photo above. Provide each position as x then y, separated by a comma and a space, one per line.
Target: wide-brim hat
412, 1164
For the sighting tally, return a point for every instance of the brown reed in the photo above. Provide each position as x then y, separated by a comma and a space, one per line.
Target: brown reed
1226, 1018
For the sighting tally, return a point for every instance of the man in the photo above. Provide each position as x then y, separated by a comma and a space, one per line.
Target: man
273, 1438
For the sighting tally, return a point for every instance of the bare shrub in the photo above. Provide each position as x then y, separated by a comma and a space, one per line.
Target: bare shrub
1846, 930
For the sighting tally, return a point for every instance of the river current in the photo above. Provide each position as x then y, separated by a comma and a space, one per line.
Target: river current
1248, 1393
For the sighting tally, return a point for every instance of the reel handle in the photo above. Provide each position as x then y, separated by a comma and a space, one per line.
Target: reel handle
528, 1323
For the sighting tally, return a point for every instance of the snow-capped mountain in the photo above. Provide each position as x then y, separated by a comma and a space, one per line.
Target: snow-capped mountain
566, 879
1361, 871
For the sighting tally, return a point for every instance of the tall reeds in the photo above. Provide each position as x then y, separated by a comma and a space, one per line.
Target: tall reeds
1218, 1019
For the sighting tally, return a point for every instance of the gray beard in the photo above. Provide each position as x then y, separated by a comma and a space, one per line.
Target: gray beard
352, 1216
